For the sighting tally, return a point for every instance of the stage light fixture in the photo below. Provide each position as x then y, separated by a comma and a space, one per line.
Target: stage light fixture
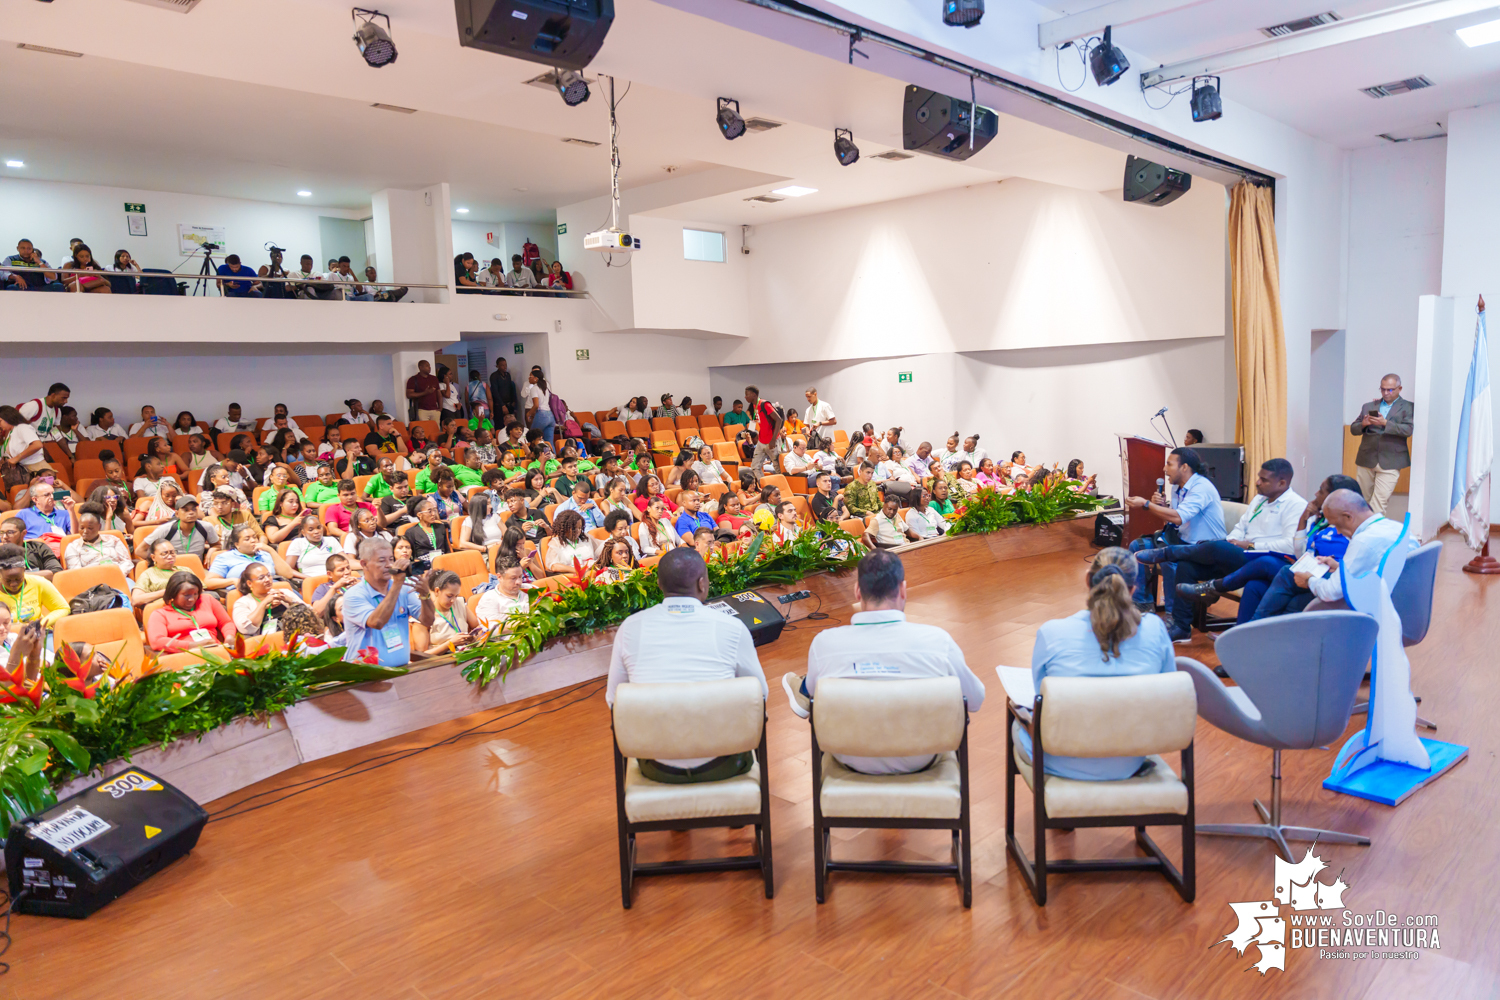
1207, 105
572, 86
730, 122
844, 147
962, 13
1107, 62
373, 41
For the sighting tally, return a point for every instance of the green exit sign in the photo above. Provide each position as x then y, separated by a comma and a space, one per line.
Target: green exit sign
903, 376
520, 348
582, 354
136, 207
562, 229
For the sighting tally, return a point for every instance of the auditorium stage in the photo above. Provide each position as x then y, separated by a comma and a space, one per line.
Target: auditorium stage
488, 867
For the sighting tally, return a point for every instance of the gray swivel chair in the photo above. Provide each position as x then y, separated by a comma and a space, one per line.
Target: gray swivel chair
1412, 598
1298, 676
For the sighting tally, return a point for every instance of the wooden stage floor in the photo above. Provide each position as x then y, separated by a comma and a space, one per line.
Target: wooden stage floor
488, 867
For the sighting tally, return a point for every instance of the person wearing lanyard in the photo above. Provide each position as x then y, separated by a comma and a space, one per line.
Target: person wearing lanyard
452, 624
379, 610
38, 557
30, 598
189, 618
1370, 536
880, 644
1194, 514
43, 517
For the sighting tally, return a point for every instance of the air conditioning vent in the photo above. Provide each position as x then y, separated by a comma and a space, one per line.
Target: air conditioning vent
396, 108
766, 199
581, 142
892, 154
180, 6
1416, 134
1397, 87
760, 124
1301, 24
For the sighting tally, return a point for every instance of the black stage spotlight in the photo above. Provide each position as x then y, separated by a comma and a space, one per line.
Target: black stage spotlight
374, 41
844, 147
1207, 105
572, 86
730, 122
1107, 62
962, 13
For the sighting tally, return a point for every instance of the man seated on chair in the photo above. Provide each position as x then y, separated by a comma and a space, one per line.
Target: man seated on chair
880, 644
1370, 536
681, 640
1270, 588
1193, 512
38, 557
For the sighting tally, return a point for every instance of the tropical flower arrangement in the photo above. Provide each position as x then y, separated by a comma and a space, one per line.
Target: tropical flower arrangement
58, 725
990, 510
592, 606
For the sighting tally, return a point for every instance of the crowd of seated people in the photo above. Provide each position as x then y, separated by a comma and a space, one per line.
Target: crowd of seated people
528, 271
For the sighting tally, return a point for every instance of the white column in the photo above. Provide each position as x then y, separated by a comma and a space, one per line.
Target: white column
403, 367
414, 238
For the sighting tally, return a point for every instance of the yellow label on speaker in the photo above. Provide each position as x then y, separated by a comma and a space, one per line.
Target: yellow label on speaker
130, 781
152, 831
757, 621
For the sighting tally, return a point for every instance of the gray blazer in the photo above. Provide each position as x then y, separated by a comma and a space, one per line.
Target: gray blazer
1384, 446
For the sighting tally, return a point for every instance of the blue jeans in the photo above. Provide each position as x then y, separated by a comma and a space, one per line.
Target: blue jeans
1143, 580
1192, 564
1283, 596
1253, 579
544, 422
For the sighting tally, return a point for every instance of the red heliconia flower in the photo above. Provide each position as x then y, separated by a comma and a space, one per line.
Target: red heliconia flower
34, 692
79, 668
6, 677
370, 656
239, 645
87, 690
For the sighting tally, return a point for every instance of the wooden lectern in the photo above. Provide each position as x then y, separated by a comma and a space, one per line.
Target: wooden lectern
1142, 462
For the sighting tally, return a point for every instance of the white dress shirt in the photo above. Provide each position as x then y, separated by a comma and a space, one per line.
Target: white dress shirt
1270, 525
680, 640
883, 645
928, 523
159, 429
1368, 543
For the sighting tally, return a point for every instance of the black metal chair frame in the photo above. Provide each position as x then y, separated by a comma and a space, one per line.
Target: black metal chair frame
960, 867
630, 869
1035, 874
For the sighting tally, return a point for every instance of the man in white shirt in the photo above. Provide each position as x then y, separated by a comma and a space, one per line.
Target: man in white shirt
236, 422
880, 644
681, 640
519, 276
888, 529
507, 597
45, 414
150, 425
819, 413
492, 276
307, 274
1370, 536
352, 289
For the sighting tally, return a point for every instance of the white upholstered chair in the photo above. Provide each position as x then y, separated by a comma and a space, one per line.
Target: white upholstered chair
891, 718
677, 721
1145, 716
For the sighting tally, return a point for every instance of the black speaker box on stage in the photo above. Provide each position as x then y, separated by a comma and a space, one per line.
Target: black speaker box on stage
759, 615
1109, 528
936, 124
564, 34
1224, 466
1153, 183
91, 849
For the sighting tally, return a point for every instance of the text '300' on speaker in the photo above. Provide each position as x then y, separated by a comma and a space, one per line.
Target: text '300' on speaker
1153, 183
564, 34
940, 125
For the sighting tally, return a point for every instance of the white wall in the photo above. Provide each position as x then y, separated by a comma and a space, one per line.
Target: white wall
469, 237
50, 214
674, 293
204, 385
1395, 255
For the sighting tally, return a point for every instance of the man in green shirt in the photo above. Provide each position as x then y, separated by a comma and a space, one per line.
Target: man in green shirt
737, 414
462, 474
324, 489
861, 496
570, 475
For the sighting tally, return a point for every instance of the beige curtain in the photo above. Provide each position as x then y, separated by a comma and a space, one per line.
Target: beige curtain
1259, 338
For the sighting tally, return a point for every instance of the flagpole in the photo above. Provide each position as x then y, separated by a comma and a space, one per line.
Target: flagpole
1484, 562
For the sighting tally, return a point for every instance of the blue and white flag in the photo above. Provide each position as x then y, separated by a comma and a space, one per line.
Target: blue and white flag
1469, 509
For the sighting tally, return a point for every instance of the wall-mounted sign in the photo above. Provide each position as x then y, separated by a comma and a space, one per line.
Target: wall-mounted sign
138, 207
582, 354
562, 229
520, 348
903, 376
191, 239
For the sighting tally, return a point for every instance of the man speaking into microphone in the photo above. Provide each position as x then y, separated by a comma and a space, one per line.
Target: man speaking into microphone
1189, 504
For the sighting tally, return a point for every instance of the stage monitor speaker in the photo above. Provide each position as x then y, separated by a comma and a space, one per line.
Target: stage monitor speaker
1154, 184
1109, 528
1224, 466
564, 34
937, 124
759, 615
91, 849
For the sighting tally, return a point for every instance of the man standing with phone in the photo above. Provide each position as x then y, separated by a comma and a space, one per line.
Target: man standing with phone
378, 610
1383, 425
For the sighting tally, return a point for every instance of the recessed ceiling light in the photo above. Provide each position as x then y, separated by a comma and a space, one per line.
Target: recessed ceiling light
462, 211
795, 191
17, 164
1480, 34
304, 194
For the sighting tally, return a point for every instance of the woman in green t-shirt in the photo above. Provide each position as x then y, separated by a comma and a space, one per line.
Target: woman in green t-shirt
279, 481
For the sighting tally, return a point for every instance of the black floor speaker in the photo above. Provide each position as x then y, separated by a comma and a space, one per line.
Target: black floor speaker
759, 615
91, 849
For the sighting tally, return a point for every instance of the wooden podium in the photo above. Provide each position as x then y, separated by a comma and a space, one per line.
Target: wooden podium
1142, 462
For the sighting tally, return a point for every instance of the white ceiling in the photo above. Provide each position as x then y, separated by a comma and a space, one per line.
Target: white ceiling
286, 111
1318, 92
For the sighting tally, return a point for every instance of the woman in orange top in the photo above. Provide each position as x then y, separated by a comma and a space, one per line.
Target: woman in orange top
190, 619
173, 464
